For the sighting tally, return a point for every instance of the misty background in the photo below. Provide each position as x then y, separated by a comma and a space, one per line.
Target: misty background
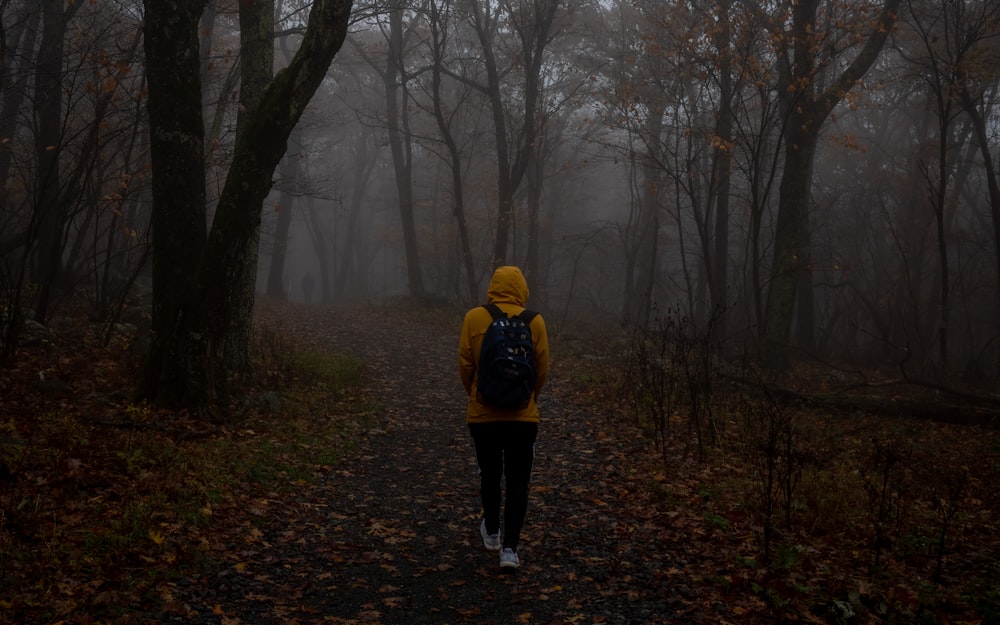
636, 158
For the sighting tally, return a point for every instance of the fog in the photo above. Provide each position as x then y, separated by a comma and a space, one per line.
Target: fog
894, 209
757, 173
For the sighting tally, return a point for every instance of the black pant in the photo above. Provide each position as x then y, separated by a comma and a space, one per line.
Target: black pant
504, 449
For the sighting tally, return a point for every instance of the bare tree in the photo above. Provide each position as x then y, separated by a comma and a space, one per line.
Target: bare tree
722, 167
69, 162
440, 29
401, 141
200, 323
532, 26
975, 26
51, 214
289, 171
803, 69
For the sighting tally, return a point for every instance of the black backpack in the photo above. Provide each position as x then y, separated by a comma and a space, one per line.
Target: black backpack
506, 375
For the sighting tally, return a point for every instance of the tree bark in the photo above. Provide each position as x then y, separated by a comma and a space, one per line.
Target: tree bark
178, 188
805, 112
51, 214
199, 356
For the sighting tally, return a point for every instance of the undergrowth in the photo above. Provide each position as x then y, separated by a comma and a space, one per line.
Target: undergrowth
846, 517
100, 497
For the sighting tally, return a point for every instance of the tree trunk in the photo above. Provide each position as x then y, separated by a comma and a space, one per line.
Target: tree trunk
51, 213
937, 194
535, 178
400, 143
512, 160
199, 355
722, 178
206, 31
233, 288
805, 112
805, 305
505, 184
24, 36
458, 203
314, 225
639, 291
286, 201
349, 264
993, 186
178, 188
790, 236
454, 156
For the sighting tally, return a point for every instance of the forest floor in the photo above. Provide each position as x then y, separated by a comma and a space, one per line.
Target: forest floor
382, 526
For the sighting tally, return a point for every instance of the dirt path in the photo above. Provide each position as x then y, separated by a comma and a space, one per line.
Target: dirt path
391, 536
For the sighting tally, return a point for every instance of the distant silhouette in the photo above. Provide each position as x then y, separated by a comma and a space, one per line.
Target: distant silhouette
307, 286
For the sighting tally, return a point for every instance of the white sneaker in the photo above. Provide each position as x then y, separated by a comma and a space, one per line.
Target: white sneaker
509, 559
490, 541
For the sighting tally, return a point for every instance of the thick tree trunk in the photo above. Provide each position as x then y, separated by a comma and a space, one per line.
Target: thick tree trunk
178, 185
260, 145
199, 353
790, 239
805, 112
51, 214
234, 290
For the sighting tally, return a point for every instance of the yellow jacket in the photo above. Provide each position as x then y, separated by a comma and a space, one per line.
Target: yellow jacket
509, 290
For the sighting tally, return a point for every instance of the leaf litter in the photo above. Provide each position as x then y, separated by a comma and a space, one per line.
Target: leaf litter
389, 533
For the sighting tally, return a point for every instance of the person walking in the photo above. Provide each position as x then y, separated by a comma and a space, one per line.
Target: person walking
504, 438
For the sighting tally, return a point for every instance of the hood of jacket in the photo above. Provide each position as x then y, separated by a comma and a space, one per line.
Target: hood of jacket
507, 286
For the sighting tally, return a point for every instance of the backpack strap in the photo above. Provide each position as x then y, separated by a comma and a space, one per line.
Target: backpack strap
526, 316
495, 311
